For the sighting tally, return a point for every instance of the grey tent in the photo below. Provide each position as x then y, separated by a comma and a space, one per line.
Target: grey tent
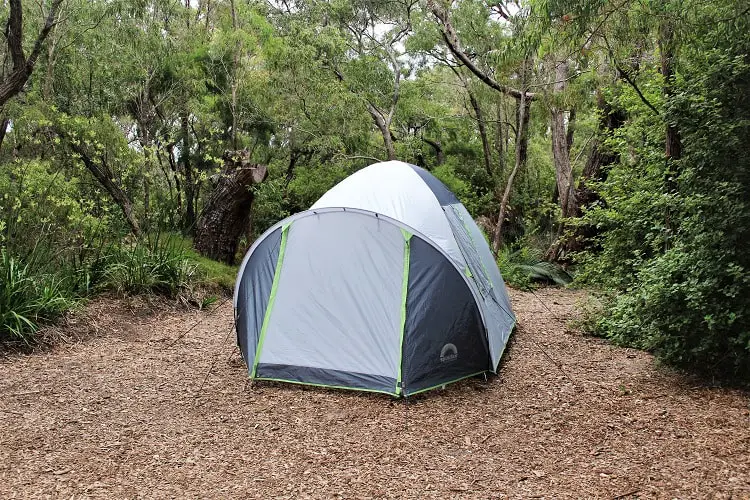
385, 284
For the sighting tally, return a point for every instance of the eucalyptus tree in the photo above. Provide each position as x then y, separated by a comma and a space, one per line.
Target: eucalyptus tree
17, 66
503, 66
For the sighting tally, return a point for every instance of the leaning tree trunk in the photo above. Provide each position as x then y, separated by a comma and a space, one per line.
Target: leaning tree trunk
594, 171
522, 141
102, 172
227, 211
562, 140
383, 123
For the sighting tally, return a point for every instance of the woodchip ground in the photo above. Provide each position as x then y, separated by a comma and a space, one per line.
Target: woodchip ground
133, 410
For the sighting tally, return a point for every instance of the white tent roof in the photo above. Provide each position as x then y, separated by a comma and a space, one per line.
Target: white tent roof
396, 190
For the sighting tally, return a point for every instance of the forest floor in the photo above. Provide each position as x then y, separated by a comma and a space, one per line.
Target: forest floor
132, 406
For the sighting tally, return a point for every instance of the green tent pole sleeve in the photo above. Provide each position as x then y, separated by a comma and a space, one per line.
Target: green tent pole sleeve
404, 289
271, 299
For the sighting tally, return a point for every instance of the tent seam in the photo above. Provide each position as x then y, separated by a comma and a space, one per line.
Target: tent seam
474, 245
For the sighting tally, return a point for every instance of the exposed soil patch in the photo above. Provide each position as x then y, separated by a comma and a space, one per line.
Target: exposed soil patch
130, 412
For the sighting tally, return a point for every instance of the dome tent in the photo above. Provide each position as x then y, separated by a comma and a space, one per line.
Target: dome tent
385, 284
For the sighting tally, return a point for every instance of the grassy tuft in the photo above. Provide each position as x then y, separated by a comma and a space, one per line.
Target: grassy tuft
28, 298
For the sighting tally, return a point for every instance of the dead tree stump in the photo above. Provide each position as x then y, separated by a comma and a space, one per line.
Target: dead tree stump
226, 214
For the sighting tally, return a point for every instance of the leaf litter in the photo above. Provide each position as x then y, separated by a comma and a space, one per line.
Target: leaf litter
120, 410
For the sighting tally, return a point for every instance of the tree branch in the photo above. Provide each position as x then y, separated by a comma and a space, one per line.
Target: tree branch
624, 75
49, 23
451, 39
14, 35
22, 66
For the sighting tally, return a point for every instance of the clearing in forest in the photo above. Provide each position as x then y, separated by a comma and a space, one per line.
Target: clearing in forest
135, 410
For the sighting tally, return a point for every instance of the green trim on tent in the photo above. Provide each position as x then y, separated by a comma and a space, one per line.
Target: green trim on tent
271, 298
446, 383
270, 379
404, 291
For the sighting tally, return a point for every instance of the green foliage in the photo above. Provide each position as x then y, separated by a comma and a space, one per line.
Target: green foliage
208, 273
475, 202
28, 297
150, 265
673, 251
524, 267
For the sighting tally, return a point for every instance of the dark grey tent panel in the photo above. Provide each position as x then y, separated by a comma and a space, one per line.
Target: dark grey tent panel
499, 316
444, 338
444, 195
255, 289
326, 377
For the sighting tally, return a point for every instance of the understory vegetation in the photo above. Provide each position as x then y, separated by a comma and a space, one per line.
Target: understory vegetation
597, 144
41, 285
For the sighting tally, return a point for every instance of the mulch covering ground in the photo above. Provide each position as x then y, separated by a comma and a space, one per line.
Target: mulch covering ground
132, 409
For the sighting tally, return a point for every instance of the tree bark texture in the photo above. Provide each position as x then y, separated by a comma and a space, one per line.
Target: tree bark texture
521, 153
226, 214
593, 171
23, 66
481, 126
187, 170
383, 123
500, 137
560, 151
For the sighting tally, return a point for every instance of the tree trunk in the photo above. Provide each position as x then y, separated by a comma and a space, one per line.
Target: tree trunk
600, 157
673, 146
385, 130
439, 153
3, 130
560, 152
227, 212
175, 175
144, 120
23, 66
521, 153
187, 169
101, 171
500, 137
49, 75
486, 153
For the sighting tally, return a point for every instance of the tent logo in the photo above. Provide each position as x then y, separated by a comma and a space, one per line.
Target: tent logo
448, 353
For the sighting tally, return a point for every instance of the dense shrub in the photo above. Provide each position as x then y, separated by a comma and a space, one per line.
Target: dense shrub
34, 291
674, 249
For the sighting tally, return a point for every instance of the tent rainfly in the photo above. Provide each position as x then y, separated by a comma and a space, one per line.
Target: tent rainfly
385, 284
